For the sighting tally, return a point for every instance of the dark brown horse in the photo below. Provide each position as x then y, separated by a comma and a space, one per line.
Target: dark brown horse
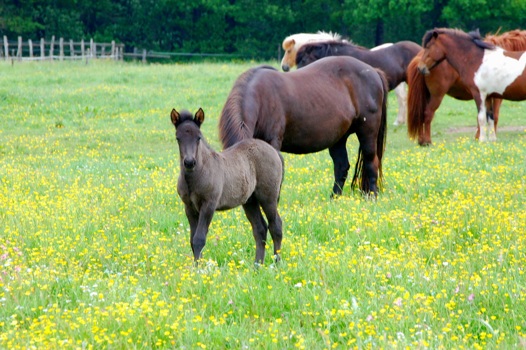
249, 174
312, 109
392, 60
427, 91
486, 70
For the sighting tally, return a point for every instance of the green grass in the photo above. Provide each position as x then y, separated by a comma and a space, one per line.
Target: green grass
94, 243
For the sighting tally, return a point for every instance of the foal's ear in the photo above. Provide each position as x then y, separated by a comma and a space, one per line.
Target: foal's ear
199, 116
175, 116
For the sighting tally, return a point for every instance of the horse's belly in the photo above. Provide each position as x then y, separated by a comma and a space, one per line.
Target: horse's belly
316, 133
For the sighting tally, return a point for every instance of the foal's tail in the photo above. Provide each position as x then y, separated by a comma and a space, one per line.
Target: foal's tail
417, 98
365, 185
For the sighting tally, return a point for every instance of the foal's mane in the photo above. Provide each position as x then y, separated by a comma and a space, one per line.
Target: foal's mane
184, 116
232, 127
473, 36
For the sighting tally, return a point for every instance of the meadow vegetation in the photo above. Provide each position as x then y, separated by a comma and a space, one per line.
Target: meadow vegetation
94, 242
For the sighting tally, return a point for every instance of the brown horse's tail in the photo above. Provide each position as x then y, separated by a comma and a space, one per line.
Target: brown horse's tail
380, 144
417, 98
232, 125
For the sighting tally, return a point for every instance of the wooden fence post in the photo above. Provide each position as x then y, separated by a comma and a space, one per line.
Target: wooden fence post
42, 49
113, 53
143, 56
82, 50
6, 48
30, 43
51, 47
19, 50
71, 48
92, 48
61, 49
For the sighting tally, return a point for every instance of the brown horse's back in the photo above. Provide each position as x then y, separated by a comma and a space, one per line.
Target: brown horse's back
310, 109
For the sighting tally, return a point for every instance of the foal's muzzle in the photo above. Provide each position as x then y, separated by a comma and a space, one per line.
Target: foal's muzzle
285, 67
189, 163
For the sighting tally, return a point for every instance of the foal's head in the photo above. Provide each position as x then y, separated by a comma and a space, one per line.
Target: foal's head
188, 135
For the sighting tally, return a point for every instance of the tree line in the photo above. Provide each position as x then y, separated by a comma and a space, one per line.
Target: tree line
249, 28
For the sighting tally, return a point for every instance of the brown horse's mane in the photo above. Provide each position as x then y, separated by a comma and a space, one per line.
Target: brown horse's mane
514, 40
473, 36
232, 128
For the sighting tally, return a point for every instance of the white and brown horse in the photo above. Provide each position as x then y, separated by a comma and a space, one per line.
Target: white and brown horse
426, 92
486, 70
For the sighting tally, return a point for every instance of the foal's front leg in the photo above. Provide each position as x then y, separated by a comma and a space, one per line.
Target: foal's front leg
206, 212
193, 216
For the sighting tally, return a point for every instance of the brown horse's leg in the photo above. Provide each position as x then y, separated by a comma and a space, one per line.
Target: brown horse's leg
340, 159
259, 227
493, 108
367, 162
275, 225
424, 139
497, 102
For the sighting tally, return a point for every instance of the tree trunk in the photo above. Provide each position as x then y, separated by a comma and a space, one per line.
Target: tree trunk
379, 37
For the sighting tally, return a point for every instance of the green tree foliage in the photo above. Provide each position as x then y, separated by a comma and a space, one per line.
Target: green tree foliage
249, 28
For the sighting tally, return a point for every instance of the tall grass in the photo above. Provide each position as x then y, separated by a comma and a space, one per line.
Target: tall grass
94, 243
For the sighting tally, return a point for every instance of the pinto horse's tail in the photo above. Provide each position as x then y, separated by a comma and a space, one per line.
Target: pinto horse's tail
232, 125
365, 186
417, 98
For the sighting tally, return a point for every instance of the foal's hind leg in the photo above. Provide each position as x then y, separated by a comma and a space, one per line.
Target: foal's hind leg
275, 225
340, 160
259, 227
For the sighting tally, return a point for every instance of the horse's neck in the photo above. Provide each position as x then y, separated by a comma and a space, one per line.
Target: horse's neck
465, 62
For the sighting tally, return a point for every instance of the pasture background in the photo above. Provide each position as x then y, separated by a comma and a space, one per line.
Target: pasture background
94, 247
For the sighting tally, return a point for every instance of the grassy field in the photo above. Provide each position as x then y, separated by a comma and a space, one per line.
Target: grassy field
94, 248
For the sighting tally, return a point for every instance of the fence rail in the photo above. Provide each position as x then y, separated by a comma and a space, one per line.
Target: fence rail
21, 50
27, 50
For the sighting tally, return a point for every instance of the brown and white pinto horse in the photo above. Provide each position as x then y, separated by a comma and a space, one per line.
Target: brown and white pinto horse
427, 91
486, 70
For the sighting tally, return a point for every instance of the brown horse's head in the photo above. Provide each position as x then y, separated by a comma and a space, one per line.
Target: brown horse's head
311, 52
434, 52
188, 135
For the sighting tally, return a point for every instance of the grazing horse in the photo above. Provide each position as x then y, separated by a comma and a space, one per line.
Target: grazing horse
292, 43
312, 109
486, 70
392, 59
248, 174
427, 91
